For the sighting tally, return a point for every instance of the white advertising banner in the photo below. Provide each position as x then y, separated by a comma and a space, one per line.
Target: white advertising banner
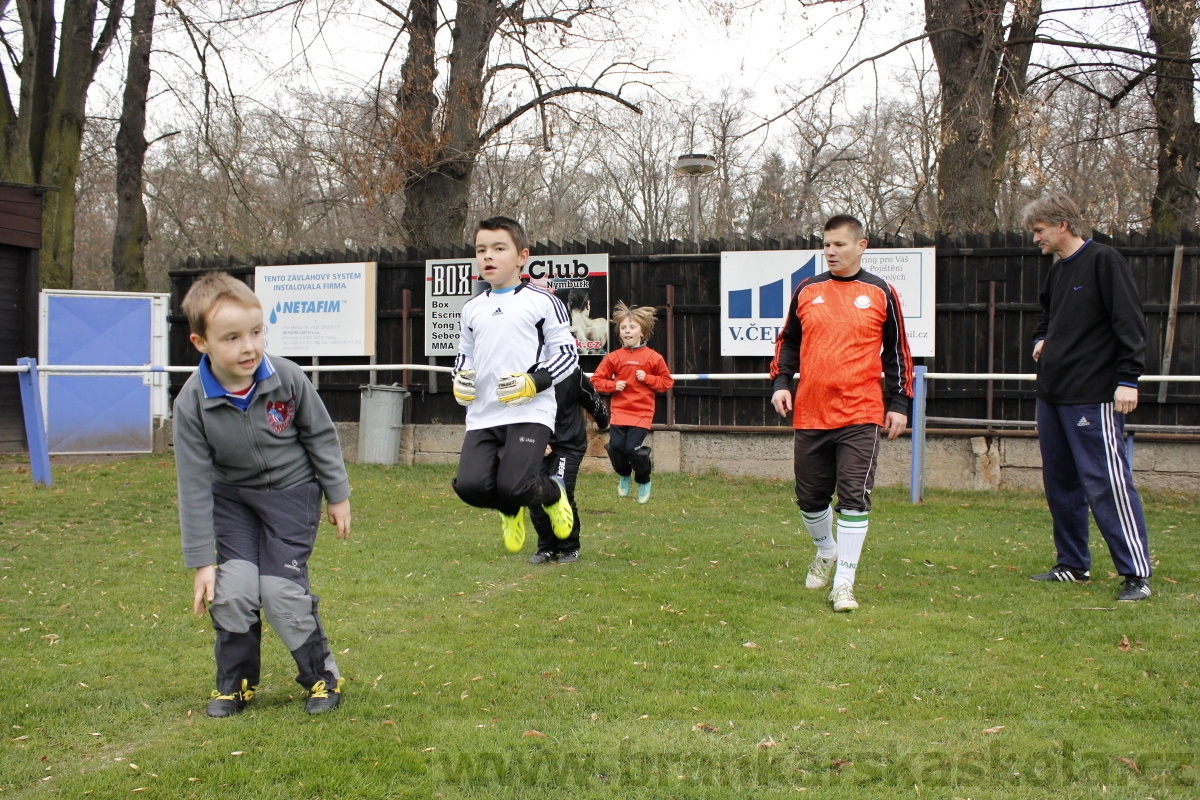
756, 287
580, 281
318, 309
449, 284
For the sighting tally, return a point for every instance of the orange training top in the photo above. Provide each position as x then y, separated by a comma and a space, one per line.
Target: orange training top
840, 334
634, 405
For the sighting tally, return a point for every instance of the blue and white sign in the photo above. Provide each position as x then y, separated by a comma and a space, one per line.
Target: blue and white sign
757, 285
318, 309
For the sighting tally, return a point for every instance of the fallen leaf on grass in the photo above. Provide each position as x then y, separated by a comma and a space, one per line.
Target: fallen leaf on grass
704, 726
1124, 644
193, 780
1170, 580
387, 722
840, 764
238, 753
751, 645
767, 742
1129, 762
534, 734
996, 729
429, 749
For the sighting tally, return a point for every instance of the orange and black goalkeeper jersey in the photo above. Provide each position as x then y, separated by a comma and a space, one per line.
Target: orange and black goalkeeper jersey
840, 334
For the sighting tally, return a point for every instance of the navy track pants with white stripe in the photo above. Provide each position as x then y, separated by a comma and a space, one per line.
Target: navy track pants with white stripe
1084, 465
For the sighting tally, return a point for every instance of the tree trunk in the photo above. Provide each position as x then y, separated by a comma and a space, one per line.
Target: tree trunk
130, 232
25, 127
42, 137
1011, 84
982, 82
438, 187
1174, 205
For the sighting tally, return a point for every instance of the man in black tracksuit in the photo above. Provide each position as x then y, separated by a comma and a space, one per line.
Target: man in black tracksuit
568, 444
1090, 345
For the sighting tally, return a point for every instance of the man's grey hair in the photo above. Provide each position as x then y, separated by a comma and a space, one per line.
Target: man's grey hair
1053, 209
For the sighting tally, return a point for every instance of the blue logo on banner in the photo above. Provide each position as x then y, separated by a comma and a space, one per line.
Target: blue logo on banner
305, 307
770, 296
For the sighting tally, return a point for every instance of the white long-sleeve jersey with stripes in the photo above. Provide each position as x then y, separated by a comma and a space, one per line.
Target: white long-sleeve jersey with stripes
523, 329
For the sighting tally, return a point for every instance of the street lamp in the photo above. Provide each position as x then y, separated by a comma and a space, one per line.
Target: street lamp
695, 166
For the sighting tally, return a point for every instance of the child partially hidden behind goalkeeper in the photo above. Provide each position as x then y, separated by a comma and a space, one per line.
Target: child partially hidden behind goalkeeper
255, 449
515, 343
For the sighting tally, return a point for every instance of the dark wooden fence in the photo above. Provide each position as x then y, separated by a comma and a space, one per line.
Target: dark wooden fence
20, 239
984, 282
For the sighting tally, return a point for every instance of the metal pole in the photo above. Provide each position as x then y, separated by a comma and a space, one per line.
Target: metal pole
695, 201
916, 480
405, 333
35, 423
406, 348
991, 355
671, 350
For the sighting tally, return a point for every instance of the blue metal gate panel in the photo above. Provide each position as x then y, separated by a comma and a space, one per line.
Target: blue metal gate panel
98, 413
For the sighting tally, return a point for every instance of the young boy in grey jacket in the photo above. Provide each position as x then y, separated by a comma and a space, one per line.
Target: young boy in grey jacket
254, 451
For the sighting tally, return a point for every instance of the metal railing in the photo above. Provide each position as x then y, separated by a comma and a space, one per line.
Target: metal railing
39, 457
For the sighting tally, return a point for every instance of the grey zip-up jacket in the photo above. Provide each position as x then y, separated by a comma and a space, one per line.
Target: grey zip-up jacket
285, 438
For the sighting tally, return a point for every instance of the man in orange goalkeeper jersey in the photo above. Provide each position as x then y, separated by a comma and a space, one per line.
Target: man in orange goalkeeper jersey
843, 329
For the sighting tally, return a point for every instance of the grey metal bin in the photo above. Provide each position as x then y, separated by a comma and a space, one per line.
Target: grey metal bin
380, 418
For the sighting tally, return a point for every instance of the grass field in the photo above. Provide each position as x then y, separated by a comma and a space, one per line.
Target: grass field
681, 657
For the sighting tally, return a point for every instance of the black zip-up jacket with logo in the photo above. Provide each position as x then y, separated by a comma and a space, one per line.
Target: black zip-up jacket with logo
1093, 327
573, 393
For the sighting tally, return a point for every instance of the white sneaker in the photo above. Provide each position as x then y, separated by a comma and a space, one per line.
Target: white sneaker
842, 597
818, 571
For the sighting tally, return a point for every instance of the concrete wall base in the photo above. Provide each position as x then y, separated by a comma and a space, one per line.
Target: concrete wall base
980, 463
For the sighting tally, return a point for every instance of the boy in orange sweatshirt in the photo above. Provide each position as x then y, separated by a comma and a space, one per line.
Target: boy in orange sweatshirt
632, 375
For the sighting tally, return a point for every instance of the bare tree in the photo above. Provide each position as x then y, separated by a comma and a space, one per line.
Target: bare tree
130, 232
437, 130
40, 139
1171, 27
983, 76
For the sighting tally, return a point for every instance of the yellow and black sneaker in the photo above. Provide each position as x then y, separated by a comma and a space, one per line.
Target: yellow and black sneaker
226, 705
513, 531
321, 698
562, 516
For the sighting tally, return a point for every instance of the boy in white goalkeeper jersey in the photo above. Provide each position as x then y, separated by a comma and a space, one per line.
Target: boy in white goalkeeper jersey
514, 344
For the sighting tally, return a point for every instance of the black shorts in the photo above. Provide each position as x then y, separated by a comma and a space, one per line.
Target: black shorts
841, 459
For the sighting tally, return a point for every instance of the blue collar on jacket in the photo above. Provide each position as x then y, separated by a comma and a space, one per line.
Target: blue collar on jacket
213, 388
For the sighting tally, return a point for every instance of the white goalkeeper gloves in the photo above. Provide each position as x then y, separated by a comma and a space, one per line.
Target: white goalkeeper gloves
517, 389
464, 387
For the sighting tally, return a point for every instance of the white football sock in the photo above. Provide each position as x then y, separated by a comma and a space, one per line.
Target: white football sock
820, 528
851, 533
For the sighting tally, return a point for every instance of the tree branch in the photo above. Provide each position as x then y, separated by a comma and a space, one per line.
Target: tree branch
107, 34
1105, 48
836, 78
537, 101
